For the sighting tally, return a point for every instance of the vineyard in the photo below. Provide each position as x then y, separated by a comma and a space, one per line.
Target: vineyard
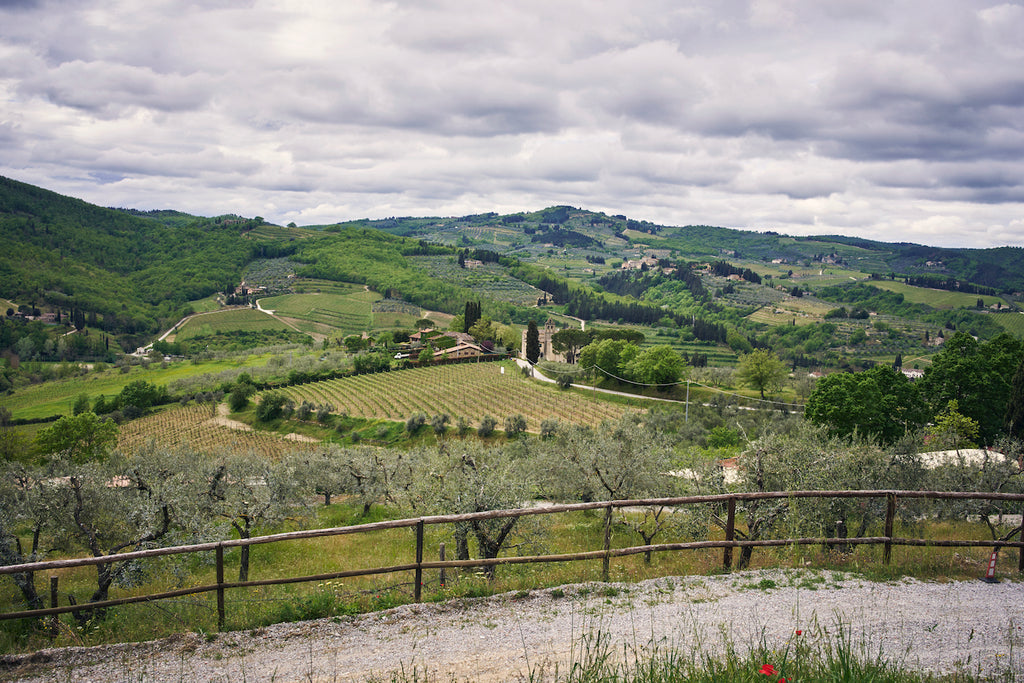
244, 319
199, 427
350, 313
490, 279
469, 391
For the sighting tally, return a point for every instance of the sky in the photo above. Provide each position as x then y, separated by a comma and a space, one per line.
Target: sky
901, 121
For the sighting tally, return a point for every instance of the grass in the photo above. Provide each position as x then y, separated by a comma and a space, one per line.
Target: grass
56, 397
936, 298
565, 532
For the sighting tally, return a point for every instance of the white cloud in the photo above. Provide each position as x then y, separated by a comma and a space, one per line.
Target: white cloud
891, 121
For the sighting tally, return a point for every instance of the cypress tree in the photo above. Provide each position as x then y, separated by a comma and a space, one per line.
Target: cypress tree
532, 342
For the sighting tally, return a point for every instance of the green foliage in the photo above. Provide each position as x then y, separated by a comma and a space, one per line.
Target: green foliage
761, 370
79, 438
880, 402
978, 376
952, 429
658, 365
532, 342
270, 406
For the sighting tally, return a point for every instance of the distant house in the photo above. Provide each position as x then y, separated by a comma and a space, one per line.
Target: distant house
912, 373
472, 263
461, 350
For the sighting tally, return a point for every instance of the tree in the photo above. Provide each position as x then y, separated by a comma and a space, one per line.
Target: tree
811, 458
81, 404
619, 461
569, 342
141, 394
658, 365
1014, 420
880, 402
270, 407
978, 376
473, 478
532, 342
122, 505
250, 493
78, 438
609, 356
762, 370
952, 429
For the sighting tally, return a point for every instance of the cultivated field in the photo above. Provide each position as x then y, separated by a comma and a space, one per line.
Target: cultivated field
201, 428
348, 313
936, 298
469, 391
244, 319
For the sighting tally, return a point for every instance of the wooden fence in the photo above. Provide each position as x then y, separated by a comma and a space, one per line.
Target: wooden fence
418, 565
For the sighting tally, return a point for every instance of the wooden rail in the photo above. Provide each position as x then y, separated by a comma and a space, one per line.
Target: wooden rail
888, 540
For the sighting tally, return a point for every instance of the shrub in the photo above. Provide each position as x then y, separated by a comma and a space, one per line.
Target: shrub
270, 407
515, 425
487, 425
414, 422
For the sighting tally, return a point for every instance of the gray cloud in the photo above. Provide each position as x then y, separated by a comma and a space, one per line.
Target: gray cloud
896, 121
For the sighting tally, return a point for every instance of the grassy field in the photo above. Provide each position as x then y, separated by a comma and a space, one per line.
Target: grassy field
936, 298
245, 319
56, 397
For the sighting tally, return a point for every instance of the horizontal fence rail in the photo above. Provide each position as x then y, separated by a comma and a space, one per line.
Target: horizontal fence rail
728, 544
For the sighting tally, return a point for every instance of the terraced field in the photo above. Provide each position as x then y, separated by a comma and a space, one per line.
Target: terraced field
468, 391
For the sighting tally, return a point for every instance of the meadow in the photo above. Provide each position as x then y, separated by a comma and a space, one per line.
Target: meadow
56, 397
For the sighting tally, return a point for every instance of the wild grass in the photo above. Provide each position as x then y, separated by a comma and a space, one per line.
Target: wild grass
563, 533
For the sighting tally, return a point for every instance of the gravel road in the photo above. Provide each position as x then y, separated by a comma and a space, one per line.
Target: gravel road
938, 627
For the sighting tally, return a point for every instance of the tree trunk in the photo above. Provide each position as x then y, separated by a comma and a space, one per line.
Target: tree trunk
461, 541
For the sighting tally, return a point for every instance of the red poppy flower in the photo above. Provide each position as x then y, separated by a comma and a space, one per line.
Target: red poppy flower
799, 632
767, 670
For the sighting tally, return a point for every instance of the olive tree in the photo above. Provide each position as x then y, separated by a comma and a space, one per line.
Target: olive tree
249, 493
622, 460
810, 458
469, 477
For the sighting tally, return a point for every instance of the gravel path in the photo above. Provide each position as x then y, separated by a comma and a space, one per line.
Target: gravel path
939, 627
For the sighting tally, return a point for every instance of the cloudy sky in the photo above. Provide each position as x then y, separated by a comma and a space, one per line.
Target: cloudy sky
888, 119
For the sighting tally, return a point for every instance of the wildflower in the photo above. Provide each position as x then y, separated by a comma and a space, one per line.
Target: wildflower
799, 632
767, 670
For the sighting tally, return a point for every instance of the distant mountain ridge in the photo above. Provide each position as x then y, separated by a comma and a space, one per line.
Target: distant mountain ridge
139, 269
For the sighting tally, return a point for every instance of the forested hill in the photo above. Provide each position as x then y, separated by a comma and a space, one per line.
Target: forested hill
599, 235
131, 270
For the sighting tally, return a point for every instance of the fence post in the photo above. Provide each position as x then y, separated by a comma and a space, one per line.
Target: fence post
418, 588
730, 534
220, 587
443, 572
890, 516
54, 619
606, 563
1020, 550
